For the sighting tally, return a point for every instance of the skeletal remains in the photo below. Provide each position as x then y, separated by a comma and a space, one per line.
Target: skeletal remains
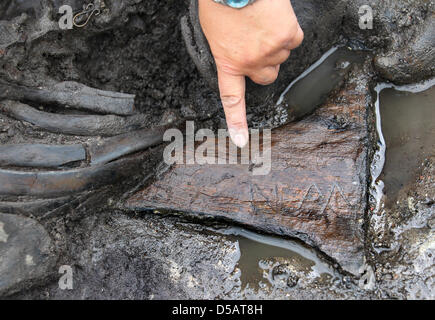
123, 140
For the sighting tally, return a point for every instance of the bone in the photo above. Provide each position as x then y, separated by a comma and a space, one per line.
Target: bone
101, 152
50, 184
315, 188
40, 155
80, 125
74, 95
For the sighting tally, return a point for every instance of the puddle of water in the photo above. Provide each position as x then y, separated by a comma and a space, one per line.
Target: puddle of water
408, 126
262, 257
312, 87
406, 129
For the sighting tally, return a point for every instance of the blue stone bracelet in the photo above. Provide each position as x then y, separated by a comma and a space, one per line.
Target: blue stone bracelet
235, 3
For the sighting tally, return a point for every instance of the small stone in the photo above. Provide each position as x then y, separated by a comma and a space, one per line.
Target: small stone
11, 132
26, 253
292, 280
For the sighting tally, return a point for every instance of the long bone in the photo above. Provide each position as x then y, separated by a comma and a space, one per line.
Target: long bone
72, 94
80, 125
40, 155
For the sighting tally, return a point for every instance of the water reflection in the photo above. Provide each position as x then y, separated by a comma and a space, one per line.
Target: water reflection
275, 261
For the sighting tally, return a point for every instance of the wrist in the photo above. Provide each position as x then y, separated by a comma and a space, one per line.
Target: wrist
236, 4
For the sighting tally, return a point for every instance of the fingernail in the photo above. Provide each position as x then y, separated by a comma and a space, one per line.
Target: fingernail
240, 137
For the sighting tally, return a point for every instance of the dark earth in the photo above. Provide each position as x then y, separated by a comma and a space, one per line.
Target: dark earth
83, 183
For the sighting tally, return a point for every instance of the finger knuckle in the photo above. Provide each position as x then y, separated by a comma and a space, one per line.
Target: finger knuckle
284, 57
231, 101
226, 68
291, 36
270, 48
236, 123
272, 78
265, 78
284, 37
298, 38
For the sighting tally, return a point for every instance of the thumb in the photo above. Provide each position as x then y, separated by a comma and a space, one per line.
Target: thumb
232, 92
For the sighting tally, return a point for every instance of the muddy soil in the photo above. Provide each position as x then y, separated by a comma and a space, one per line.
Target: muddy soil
124, 256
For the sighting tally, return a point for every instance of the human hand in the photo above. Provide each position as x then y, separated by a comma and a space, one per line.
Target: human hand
252, 41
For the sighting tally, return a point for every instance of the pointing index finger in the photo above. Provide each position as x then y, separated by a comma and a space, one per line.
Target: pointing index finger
232, 92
